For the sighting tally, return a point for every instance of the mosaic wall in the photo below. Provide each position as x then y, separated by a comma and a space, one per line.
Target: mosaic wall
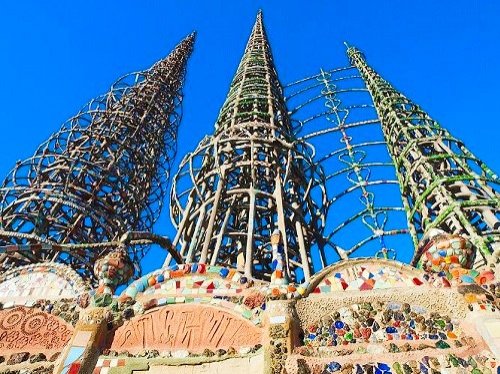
196, 285
365, 276
214, 314
223, 281
379, 322
199, 284
481, 363
43, 281
477, 287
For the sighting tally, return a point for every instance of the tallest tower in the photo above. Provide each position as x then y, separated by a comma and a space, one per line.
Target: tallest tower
249, 181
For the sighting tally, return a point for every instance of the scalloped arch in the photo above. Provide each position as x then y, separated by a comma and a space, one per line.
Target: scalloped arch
49, 281
365, 274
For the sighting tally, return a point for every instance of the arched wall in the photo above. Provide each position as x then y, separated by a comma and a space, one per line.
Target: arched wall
188, 327
48, 281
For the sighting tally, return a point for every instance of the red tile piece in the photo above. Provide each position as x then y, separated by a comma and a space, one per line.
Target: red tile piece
74, 368
417, 282
366, 286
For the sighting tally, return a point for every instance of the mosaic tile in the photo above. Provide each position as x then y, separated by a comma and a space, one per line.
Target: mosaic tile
477, 364
40, 281
195, 283
74, 354
365, 278
103, 365
376, 323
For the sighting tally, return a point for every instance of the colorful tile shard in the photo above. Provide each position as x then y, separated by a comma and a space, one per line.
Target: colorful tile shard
369, 276
196, 283
103, 365
40, 281
379, 323
479, 364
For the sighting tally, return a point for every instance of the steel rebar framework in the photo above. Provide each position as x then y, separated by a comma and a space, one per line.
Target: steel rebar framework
335, 114
250, 178
99, 182
102, 174
443, 184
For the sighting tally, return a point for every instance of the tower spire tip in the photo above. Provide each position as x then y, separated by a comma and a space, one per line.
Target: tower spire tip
259, 16
191, 35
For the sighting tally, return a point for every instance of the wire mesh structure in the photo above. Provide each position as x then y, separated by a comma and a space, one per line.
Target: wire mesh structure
324, 174
394, 174
443, 185
353, 169
103, 174
334, 113
251, 178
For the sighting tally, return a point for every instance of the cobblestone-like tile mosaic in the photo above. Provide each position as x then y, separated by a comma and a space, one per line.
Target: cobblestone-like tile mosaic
483, 363
376, 323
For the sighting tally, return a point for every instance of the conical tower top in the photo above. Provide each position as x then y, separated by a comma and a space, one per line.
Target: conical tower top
255, 93
249, 196
102, 174
258, 25
445, 188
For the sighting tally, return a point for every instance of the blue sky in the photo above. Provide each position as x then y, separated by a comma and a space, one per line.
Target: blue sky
55, 56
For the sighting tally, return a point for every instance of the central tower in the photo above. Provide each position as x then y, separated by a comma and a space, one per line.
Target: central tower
251, 180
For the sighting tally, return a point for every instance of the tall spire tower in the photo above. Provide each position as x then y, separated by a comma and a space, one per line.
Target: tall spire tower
102, 174
444, 186
249, 181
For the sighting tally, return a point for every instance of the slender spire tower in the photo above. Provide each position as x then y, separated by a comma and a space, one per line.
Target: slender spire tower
444, 186
102, 174
250, 181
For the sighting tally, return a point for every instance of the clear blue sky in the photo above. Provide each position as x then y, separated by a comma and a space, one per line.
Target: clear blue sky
55, 56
